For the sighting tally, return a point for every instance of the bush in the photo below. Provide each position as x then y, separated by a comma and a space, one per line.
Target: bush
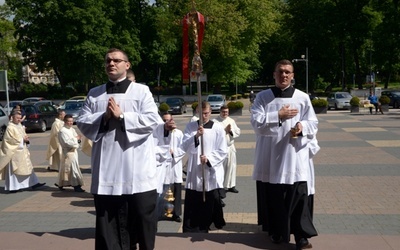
319, 103
355, 101
235, 105
163, 107
384, 100
194, 105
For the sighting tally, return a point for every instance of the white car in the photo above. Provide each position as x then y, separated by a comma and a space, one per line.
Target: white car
216, 102
3, 122
339, 100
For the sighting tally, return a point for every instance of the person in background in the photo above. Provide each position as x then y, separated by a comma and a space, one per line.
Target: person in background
232, 131
130, 75
54, 150
70, 173
15, 162
373, 99
119, 118
198, 213
285, 125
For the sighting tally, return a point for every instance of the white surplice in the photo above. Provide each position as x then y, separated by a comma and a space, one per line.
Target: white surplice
69, 173
230, 161
215, 149
123, 158
280, 159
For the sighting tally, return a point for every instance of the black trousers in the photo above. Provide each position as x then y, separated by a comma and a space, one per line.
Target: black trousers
288, 209
123, 221
177, 190
199, 215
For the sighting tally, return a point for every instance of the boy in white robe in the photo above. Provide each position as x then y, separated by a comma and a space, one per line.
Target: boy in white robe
70, 173
169, 135
119, 118
232, 131
15, 162
207, 138
54, 150
285, 123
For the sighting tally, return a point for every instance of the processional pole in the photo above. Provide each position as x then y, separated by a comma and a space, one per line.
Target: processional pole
196, 20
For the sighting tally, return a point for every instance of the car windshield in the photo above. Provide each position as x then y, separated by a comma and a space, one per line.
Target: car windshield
173, 102
214, 98
343, 95
396, 94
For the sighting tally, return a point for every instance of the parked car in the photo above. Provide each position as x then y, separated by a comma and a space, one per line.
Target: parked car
216, 102
78, 97
32, 100
39, 116
9, 107
394, 96
73, 107
339, 100
47, 102
176, 105
3, 122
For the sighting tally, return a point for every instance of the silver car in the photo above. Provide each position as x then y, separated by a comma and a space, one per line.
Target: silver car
73, 107
339, 100
216, 102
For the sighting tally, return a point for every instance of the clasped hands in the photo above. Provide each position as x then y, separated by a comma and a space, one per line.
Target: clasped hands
113, 109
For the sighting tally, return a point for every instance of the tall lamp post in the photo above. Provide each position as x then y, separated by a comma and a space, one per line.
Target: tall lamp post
304, 58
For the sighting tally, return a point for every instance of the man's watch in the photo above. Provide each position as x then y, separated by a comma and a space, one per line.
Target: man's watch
121, 117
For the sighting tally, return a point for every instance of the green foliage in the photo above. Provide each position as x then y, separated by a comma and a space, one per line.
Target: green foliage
384, 99
163, 107
319, 103
235, 105
355, 101
194, 105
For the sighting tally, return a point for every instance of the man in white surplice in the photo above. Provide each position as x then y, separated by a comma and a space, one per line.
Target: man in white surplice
171, 173
199, 214
232, 131
70, 173
285, 125
15, 162
119, 117
54, 150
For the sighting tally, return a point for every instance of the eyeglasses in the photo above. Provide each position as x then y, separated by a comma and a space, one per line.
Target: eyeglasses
283, 72
116, 61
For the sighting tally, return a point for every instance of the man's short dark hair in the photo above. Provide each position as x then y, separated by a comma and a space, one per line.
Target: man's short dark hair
66, 117
112, 50
283, 62
224, 107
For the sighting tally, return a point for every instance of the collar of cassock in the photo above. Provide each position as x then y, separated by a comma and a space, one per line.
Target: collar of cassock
208, 125
166, 132
117, 88
286, 93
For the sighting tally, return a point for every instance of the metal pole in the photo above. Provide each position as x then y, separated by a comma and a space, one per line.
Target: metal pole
307, 70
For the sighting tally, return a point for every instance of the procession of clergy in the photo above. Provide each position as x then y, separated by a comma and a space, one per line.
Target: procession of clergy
282, 118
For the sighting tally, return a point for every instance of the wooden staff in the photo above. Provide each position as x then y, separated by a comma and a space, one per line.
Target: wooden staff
197, 67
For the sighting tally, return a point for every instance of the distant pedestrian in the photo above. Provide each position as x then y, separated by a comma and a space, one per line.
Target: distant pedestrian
373, 99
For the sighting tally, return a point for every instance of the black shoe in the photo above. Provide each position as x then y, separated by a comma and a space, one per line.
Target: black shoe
38, 185
59, 187
303, 244
223, 203
276, 238
233, 190
13, 191
78, 189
